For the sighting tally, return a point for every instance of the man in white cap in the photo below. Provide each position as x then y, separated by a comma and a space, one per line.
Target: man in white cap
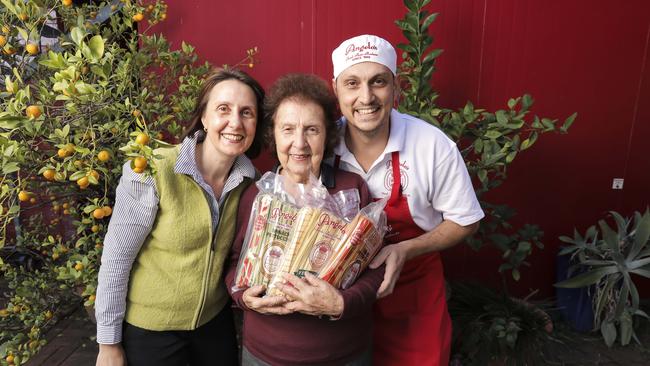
432, 204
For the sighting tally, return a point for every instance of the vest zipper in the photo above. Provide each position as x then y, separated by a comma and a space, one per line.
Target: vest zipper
208, 269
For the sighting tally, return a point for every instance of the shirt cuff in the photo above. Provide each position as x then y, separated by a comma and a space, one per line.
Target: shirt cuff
109, 334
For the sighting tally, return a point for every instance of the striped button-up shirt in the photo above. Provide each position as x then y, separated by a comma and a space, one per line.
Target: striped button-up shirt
136, 205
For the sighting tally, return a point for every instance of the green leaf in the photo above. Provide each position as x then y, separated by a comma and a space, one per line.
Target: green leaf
96, 45
77, 35
641, 236
23, 33
608, 330
626, 328
526, 102
511, 157
482, 175
427, 22
587, 278
512, 103
10, 167
515, 274
432, 55
502, 118
568, 122
609, 236
493, 134
77, 175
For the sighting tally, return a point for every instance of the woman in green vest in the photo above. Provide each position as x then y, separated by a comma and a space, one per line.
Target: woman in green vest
160, 297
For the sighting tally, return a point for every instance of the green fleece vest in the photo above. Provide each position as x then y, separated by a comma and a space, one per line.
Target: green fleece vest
176, 281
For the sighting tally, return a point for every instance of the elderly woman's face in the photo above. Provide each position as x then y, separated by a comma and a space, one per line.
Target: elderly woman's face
299, 132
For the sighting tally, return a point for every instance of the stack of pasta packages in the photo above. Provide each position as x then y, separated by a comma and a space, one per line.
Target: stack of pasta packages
301, 228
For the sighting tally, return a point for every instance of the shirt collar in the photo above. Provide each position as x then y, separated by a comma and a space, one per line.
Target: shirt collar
186, 161
396, 138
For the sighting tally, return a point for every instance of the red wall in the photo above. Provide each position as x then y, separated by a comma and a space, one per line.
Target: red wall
583, 56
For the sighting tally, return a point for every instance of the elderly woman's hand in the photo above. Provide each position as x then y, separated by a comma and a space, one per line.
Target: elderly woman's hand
253, 299
312, 295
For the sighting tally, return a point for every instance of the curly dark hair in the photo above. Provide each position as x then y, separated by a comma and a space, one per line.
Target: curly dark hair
214, 78
304, 87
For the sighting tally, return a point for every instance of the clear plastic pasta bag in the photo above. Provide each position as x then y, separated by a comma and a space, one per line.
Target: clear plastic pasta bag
275, 212
333, 248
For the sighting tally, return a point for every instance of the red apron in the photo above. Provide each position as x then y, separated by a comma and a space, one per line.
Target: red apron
412, 325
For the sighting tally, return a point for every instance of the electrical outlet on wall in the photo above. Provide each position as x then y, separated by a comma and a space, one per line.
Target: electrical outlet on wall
617, 183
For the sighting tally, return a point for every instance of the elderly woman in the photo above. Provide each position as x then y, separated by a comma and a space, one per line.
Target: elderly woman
161, 298
323, 325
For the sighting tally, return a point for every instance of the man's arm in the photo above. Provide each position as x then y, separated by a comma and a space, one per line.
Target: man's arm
444, 236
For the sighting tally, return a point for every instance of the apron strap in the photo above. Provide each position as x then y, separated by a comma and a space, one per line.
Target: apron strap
337, 162
396, 191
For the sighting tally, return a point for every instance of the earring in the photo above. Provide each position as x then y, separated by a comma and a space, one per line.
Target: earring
205, 129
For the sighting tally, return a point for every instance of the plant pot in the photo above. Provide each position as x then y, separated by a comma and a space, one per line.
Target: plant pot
575, 304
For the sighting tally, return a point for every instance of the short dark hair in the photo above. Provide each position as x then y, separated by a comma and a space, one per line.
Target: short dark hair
304, 87
214, 78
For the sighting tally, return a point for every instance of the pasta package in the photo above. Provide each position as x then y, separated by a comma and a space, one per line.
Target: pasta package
312, 243
356, 249
299, 229
266, 239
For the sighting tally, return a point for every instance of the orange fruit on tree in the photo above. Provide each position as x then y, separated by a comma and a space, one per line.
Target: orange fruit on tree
23, 196
91, 298
4, 312
107, 211
6, 29
98, 213
83, 182
62, 153
140, 162
32, 200
48, 315
103, 156
23, 16
142, 138
66, 3
94, 173
163, 16
69, 148
49, 174
3, 40
10, 359
32, 49
66, 212
9, 50
33, 111
138, 17
79, 266
94, 228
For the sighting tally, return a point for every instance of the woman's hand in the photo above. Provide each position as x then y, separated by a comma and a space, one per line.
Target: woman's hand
312, 295
111, 355
253, 299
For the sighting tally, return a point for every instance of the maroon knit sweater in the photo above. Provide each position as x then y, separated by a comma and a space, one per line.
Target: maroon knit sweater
303, 339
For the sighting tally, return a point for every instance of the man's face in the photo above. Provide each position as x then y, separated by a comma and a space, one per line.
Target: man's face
366, 94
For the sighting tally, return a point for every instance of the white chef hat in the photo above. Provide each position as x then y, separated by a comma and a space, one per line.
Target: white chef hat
362, 49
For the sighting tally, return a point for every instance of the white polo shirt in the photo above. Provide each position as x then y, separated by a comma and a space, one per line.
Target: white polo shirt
434, 177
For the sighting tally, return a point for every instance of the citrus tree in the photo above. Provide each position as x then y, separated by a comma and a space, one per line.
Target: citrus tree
84, 90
